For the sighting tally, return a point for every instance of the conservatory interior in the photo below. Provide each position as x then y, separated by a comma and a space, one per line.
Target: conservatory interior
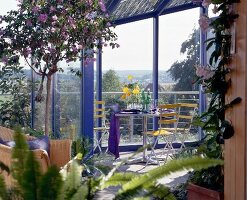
85, 130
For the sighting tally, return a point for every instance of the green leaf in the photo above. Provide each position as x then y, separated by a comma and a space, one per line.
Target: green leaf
19, 155
50, 184
118, 179
209, 45
30, 179
71, 183
195, 163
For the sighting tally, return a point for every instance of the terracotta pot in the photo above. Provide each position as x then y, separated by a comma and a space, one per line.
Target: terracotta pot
196, 192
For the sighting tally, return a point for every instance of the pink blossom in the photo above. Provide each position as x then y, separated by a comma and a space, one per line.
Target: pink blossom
19, 2
5, 60
102, 6
54, 18
80, 46
204, 22
27, 52
204, 72
90, 2
43, 18
85, 29
29, 22
71, 22
52, 9
53, 30
108, 24
51, 50
74, 49
1, 32
36, 9
206, 3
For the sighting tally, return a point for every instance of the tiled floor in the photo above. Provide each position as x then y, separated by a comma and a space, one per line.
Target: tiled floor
171, 180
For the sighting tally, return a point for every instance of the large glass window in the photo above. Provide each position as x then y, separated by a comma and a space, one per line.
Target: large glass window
134, 57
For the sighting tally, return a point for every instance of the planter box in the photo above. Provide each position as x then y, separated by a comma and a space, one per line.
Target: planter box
196, 192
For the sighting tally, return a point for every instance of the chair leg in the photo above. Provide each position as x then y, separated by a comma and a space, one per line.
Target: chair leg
152, 153
97, 142
168, 148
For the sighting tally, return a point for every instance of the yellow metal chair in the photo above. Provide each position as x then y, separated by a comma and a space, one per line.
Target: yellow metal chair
187, 112
100, 131
168, 120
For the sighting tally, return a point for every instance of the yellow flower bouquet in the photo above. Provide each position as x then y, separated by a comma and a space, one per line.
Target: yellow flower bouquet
131, 92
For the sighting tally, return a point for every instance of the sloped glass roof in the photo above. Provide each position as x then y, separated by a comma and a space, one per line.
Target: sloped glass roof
125, 11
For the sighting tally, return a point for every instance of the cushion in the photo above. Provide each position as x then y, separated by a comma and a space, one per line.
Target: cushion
39, 143
7, 143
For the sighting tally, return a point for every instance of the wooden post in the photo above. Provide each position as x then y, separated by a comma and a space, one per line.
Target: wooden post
236, 147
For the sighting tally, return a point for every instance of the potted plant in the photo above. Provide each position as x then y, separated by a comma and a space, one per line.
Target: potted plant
215, 81
208, 183
43, 33
70, 183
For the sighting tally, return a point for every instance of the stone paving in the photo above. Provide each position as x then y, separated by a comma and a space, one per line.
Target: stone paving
170, 181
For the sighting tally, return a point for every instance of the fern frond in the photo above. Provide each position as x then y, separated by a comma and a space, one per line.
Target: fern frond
118, 179
81, 193
30, 179
71, 183
195, 163
160, 191
141, 198
3, 189
50, 184
19, 156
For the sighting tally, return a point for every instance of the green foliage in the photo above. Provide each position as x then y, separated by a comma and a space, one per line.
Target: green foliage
3, 189
19, 155
33, 185
72, 183
30, 178
15, 84
218, 83
111, 82
175, 165
53, 180
145, 185
184, 71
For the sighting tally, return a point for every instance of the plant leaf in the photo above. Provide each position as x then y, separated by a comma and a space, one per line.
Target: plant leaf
195, 163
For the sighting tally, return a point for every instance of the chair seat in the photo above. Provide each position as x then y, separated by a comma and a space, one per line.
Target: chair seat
176, 129
158, 132
101, 128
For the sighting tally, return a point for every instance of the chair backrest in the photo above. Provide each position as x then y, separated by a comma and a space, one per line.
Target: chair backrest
168, 117
187, 112
99, 112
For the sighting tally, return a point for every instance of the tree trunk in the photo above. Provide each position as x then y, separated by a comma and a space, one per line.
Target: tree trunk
47, 106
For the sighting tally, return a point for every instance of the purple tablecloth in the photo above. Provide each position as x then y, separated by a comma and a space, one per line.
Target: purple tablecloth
114, 136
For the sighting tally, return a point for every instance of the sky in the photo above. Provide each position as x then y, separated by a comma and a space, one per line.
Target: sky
136, 42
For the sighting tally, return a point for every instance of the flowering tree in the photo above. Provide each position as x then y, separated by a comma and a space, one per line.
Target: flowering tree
44, 32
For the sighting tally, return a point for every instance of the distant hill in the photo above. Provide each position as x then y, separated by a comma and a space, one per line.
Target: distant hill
144, 75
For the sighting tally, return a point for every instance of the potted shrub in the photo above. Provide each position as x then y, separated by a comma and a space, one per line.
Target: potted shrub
207, 184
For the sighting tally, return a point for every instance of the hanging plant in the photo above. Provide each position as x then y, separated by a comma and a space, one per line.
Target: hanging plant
214, 77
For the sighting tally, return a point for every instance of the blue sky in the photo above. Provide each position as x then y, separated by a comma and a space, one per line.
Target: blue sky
135, 40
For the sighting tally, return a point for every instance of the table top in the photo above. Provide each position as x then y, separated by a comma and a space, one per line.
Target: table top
140, 114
